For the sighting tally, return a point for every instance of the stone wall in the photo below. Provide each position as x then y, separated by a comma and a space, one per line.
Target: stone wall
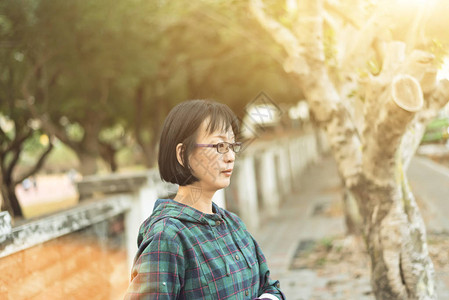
85, 264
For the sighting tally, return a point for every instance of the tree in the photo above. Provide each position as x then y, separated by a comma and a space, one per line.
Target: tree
16, 123
204, 51
75, 85
374, 119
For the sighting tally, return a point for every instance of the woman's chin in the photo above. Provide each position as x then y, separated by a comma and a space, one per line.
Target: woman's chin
217, 183
223, 184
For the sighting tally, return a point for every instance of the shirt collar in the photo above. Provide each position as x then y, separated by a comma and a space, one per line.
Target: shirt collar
217, 214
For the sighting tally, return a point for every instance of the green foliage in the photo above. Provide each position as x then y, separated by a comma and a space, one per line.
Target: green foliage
440, 50
374, 66
87, 61
436, 131
75, 131
61, 159
352, 93
7, 126
321, 262
327, 242
34, 144
330, 51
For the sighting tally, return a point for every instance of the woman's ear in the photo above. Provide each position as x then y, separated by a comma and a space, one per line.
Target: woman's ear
179, 153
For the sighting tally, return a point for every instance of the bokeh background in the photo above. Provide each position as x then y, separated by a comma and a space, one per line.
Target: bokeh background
86, 85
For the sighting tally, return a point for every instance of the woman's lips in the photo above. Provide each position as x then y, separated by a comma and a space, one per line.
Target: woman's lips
227, 172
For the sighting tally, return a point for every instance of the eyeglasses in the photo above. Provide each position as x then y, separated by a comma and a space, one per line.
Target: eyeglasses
223, 147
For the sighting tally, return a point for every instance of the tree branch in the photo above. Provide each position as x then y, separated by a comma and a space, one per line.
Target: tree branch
360, 46
248, 36
340, 13
38, 164
433, 103
284, 37
18, 140
47, 125
420, 64
440, 96
393, 57
402, 100
3, 136
16, 152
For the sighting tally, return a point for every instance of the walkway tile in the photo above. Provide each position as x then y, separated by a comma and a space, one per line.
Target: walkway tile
320, 187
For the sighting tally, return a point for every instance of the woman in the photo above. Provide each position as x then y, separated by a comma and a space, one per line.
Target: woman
190, 248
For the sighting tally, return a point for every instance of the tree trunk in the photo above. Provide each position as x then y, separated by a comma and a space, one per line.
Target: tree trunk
88, 163
146, 143
370, 160
14, 149
396, 240
353, 220
156, 112
88, 149
10, 202
415, 253
149, 156
393, 228
108, 153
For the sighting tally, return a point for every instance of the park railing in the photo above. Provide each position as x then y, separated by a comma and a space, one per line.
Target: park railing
265, 173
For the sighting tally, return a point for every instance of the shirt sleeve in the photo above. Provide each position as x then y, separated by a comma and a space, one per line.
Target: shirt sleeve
158, 271
267, 285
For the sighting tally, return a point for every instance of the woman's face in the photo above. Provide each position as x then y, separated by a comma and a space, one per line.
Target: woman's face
207, 164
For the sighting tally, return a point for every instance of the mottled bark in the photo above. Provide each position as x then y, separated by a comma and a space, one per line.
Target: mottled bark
369, 154
10, 202
353, 219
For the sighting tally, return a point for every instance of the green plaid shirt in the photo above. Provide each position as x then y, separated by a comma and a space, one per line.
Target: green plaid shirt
186, 254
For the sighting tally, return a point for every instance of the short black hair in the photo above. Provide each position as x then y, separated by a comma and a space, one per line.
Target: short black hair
181, 126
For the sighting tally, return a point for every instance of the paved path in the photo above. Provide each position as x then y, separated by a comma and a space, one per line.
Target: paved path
430, 184
320, 187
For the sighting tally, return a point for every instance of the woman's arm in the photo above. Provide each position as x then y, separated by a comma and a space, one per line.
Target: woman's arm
269, 288
158, 271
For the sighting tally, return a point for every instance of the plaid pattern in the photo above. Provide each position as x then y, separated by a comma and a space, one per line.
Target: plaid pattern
186, 254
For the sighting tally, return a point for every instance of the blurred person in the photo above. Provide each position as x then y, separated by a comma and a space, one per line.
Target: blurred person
26, 184
190, 248
72, 175
34, 182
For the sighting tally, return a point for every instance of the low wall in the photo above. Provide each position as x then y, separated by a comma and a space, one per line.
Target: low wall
43, 261
31, 233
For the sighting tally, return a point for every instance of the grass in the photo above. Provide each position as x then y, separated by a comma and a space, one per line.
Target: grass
44, 208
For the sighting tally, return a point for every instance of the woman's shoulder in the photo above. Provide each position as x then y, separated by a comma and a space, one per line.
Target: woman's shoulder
169, 228
233, 217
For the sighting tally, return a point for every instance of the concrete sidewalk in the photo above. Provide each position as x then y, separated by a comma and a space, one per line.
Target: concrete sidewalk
279, 237
429, 182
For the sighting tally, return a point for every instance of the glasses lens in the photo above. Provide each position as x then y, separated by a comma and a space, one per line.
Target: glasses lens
222, 147
237, 147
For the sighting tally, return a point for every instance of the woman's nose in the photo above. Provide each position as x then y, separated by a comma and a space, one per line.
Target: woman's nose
229, 156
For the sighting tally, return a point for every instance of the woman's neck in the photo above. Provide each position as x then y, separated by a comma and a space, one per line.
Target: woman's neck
196, 197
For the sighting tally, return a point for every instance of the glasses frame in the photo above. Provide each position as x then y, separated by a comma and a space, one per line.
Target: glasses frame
230, 146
